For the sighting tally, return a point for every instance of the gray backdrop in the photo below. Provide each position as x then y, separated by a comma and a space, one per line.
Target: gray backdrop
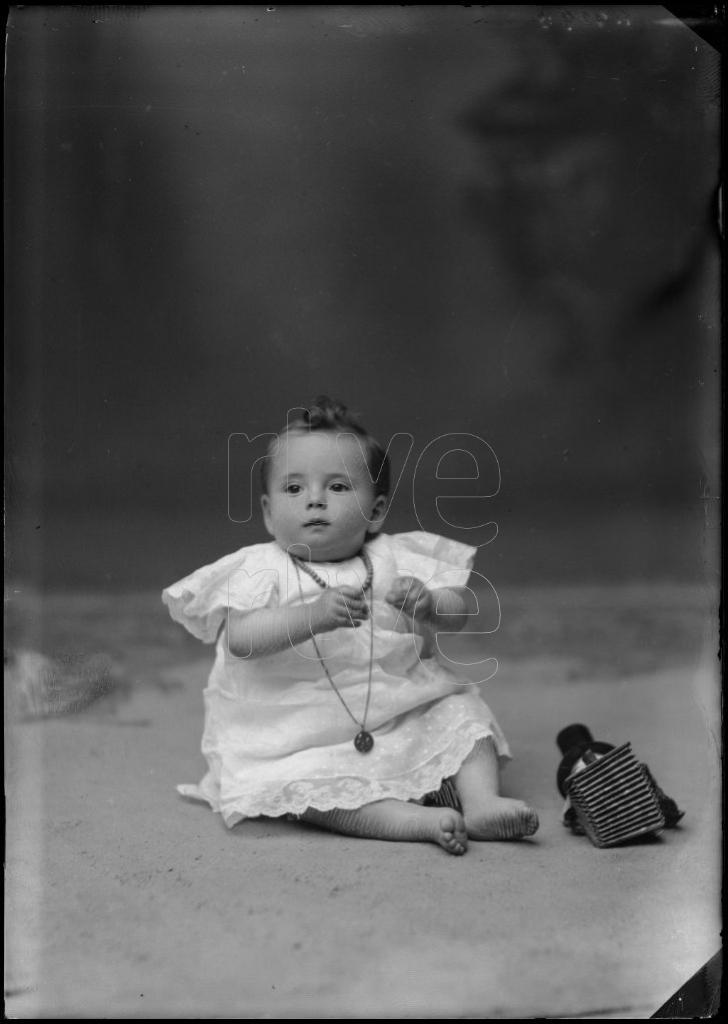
492, 220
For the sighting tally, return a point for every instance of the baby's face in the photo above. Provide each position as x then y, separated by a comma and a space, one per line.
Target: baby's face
320, 502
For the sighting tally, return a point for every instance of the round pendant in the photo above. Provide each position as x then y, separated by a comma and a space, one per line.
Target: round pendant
364, 741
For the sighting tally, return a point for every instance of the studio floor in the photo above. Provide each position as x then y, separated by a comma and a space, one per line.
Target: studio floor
124, 900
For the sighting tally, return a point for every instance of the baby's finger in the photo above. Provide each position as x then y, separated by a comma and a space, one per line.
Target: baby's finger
401, 588
358, 609
353, 618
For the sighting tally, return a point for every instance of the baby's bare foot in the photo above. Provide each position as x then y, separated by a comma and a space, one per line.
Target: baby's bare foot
451, 833
499, 817
397, 820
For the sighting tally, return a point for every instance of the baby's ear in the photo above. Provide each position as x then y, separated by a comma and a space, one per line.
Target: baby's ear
265, 505
378, 514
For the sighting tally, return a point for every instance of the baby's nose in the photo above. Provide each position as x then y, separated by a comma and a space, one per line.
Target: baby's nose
316, 499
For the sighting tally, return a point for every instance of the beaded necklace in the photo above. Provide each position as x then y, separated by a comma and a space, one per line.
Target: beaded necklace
363, 741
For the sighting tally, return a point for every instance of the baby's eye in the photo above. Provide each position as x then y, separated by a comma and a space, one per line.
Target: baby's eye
339, 487
293, 488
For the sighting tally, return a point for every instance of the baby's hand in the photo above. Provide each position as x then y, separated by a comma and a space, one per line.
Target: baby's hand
339, 606
412, 596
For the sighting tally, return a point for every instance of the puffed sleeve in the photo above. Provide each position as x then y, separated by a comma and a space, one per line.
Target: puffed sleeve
437, 561
243, 581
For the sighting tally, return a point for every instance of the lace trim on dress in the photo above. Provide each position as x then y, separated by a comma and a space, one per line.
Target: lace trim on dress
350, 792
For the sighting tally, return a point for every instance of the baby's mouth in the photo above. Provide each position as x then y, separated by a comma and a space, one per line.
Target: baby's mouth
316, 522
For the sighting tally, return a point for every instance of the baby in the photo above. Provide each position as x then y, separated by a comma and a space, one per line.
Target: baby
328, 699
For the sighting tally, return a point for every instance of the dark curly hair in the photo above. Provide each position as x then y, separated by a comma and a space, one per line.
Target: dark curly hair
326, 414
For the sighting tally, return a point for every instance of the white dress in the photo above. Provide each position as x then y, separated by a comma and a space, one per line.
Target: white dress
277, 739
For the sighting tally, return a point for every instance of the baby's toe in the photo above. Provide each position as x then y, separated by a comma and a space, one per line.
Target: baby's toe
531, 822
454, 835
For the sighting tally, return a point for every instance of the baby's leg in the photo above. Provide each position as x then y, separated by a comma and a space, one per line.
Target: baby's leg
398, 821
487, 814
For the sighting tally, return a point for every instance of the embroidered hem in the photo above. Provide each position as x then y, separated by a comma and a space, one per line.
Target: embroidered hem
346, 793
